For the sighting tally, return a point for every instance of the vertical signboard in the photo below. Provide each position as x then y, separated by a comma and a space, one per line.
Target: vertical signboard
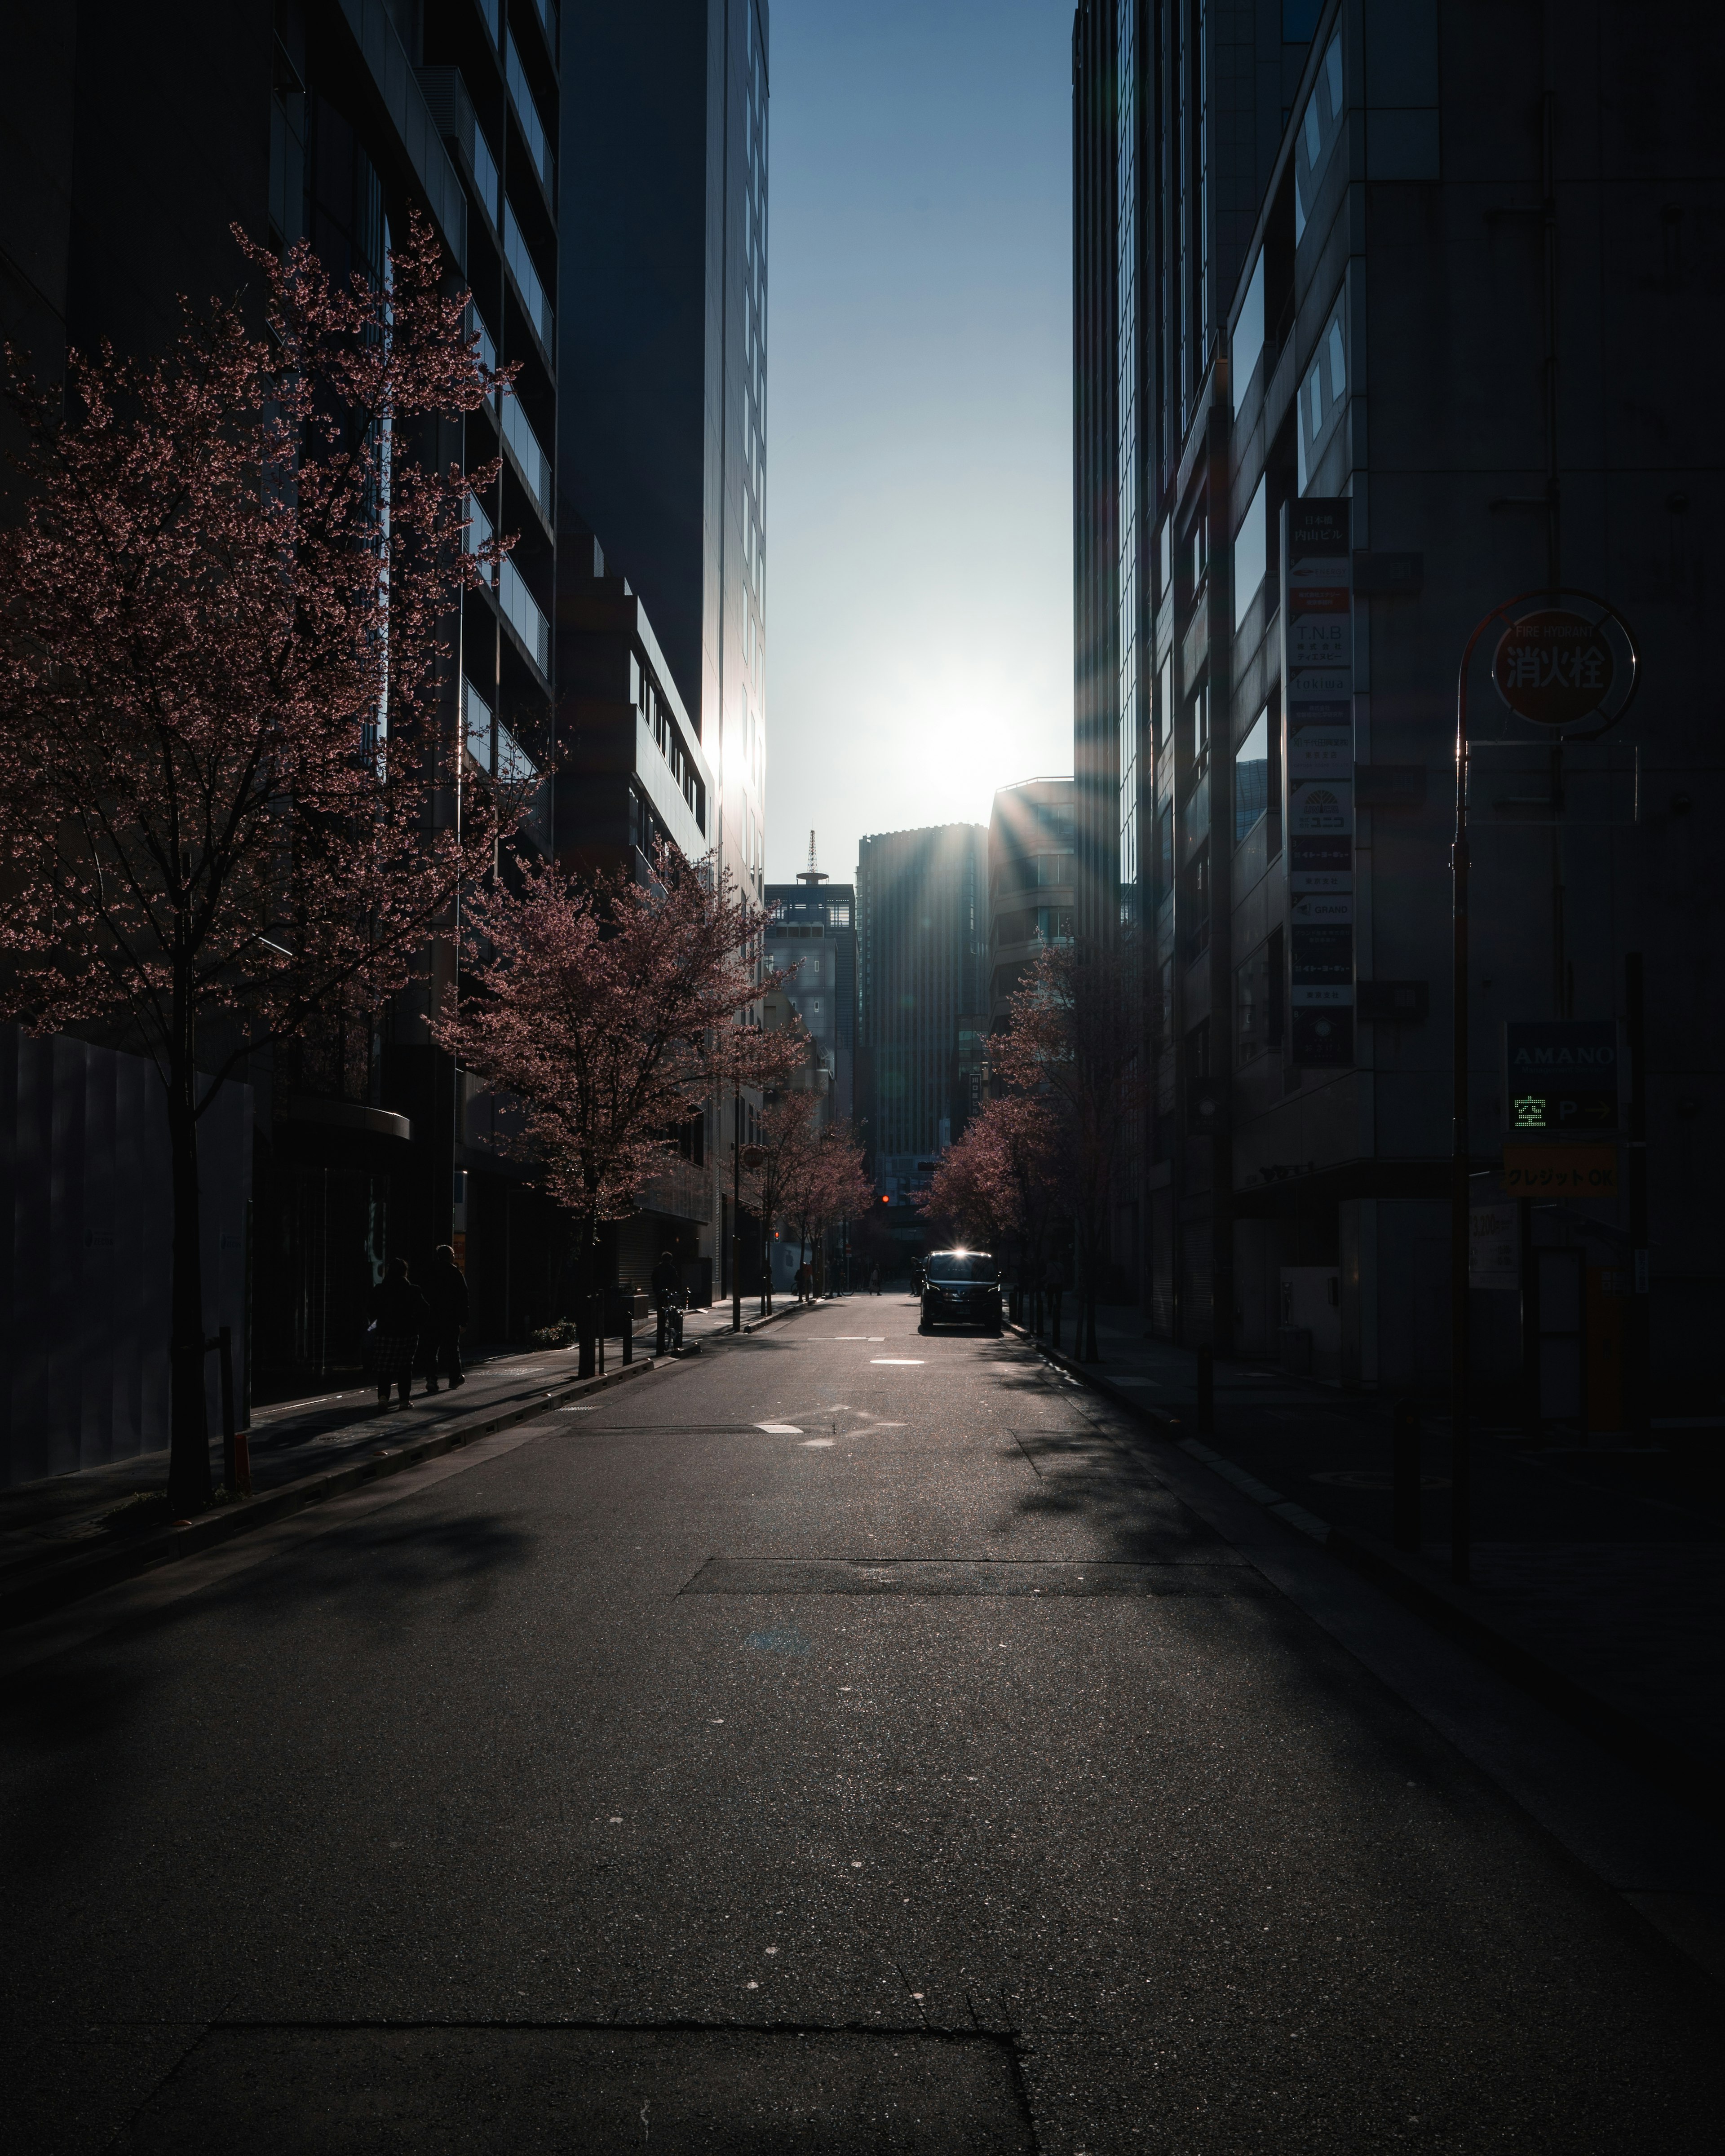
1318, 778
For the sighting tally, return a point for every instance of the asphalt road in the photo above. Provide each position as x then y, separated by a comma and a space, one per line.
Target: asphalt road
832, 1743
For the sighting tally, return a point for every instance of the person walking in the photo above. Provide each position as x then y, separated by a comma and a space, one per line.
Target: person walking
667, 1296
400, 1316
445, 1290
874, 1280
803, 1278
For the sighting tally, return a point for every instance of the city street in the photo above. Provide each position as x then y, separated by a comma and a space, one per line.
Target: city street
846, 1740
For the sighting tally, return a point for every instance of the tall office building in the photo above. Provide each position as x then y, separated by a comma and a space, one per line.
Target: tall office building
137, 138
813, 930
922, 901
1032, 882
1476, 234
662, 443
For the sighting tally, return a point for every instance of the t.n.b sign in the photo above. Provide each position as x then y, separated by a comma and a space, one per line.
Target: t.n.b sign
1560, 1077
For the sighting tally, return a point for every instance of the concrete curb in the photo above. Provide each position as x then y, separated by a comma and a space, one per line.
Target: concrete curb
1671, 1769
71, 1581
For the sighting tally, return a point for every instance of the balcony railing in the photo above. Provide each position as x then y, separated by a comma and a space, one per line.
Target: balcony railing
522, 612
526, 279
521, 96
524, 443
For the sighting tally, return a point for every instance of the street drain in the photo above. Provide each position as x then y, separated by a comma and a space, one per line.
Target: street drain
1212, 1574
384, 2092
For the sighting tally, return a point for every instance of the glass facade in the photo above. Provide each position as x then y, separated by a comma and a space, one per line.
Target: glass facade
1126, 478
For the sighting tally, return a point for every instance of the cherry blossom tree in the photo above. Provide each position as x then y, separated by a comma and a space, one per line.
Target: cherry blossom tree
786, 1129
613, 1011
1074, 1039
828, 1187
227, 808
1003, 1184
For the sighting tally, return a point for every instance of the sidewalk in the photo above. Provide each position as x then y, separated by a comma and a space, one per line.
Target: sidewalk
1598, 1577
74, 1533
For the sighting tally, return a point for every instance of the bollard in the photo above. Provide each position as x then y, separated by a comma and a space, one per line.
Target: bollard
1405, 1474
1206, 1391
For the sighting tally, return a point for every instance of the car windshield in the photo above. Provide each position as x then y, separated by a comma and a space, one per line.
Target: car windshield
947, 1265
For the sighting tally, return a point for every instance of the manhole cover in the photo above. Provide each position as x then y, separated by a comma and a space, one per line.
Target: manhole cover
310, 2092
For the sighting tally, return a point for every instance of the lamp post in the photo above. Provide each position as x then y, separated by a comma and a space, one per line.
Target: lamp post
1553, 696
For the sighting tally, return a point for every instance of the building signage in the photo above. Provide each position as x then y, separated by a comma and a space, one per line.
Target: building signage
1553, 667
1493, 1246
1560, 1171
1318, 778
1560, 1078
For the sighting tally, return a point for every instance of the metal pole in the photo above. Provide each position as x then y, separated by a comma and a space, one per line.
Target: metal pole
1640, 1343
224, 1366
737, 1207
1460, 1518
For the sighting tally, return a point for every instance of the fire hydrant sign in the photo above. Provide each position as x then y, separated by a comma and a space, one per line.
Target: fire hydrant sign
1318, 776
1553, 667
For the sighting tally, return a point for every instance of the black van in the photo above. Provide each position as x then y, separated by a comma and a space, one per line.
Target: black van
962, 1287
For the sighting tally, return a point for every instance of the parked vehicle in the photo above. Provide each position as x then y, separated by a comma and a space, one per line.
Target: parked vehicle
961, 1288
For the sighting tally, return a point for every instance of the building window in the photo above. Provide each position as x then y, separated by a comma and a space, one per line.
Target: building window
1248, 333
1252, 551
1317, 139
1251, 776
1323, 393
1197, 719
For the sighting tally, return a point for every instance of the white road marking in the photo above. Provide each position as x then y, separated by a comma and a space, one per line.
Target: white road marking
810, 1443
781, 1429
900, 1362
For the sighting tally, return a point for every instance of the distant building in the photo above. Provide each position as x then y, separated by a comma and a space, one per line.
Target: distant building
662, 449
814, 930
1384, 316
922, 900
1032, 881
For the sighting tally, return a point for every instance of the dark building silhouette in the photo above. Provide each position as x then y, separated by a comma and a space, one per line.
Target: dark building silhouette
1396, 304
1032, 881
661, 453
922, 900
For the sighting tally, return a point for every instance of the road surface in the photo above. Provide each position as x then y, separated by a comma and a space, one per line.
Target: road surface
846, 1740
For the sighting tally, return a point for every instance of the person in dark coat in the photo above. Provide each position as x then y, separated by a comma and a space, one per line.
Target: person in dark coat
446, 1290
667, 1296
401, 1314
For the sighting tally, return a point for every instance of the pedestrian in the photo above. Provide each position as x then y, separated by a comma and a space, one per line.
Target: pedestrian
874, 1280
667, 1296
400, 1316
446, 1290
803, 1278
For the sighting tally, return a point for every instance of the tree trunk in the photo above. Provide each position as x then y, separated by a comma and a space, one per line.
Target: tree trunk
189, 1488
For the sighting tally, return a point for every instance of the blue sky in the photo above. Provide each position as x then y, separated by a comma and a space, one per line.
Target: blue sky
919, 607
